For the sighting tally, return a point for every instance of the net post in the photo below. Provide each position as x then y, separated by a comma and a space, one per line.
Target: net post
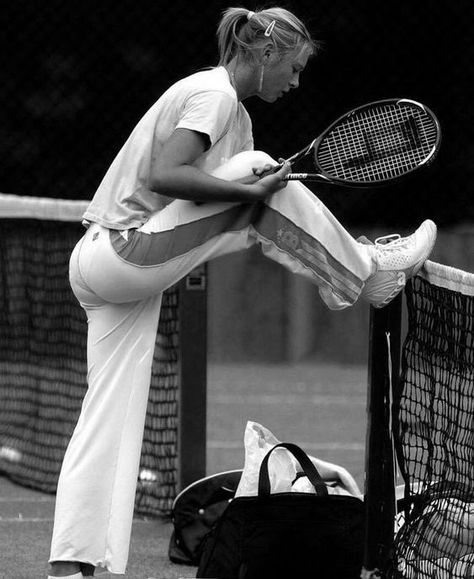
383, 373
193, 377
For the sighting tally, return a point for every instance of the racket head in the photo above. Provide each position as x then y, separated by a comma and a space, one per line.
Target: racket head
378, 143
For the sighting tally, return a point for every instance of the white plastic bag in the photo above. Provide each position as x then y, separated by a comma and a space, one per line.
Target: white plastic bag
258, 442
283, 468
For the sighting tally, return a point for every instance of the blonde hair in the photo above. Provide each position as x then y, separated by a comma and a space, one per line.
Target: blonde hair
241, 31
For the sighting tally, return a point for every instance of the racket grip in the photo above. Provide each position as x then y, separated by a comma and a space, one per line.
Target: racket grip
307, 177
296, 177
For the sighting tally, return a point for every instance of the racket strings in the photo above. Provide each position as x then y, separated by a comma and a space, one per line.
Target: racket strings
356, 152
379, 143
372, 141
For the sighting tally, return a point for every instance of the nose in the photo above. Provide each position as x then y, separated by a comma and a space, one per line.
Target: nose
295, 81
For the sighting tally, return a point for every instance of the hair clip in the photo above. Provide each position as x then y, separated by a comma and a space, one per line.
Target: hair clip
270, 27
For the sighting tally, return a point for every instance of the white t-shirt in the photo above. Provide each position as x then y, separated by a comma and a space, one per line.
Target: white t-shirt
204, 102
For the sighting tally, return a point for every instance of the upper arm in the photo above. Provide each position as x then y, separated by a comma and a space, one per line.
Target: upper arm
203, 120
209, 112
183, 147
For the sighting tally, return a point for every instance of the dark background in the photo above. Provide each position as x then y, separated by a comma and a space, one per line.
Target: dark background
77, 76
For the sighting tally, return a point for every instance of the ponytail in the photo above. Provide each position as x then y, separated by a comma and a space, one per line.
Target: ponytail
241, 31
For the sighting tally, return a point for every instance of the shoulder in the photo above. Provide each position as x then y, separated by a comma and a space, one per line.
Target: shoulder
213, 79
204, 102
211, 86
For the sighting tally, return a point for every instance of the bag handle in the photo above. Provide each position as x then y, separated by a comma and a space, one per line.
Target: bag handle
305, 462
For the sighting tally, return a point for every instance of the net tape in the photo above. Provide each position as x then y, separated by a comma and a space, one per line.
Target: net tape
43, 356
434, 427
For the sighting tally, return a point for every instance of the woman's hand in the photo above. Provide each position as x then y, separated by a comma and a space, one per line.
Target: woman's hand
270, 181
259, 172
262, 171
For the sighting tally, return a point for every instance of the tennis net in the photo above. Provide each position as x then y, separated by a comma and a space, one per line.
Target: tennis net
434, 428
43, 356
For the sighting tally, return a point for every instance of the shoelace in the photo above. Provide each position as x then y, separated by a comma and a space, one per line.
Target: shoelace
392, 241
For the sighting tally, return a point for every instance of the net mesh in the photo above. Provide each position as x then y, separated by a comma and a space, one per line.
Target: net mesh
43, 357
435, 428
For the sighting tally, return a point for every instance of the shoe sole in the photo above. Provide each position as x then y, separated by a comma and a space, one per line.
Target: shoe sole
419, 264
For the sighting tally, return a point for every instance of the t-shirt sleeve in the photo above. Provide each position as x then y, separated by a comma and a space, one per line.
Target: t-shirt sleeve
208, 112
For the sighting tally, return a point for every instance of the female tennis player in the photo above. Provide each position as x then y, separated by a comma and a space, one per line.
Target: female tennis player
185, 188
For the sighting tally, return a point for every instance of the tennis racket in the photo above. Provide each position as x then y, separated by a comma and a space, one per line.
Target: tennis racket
374, 144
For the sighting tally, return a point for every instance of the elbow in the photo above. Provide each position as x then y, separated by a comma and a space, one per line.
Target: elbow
157, 185
160, 181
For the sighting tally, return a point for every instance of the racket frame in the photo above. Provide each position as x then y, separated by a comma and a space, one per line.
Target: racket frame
324, 177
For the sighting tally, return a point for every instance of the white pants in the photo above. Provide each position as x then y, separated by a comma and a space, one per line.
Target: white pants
119, 277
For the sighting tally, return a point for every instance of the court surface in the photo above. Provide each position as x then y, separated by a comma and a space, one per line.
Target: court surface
320, 406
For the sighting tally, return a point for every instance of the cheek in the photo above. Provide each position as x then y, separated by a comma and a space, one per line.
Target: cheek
278, 78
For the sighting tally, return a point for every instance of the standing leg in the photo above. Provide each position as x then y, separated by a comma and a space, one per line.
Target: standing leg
96, 491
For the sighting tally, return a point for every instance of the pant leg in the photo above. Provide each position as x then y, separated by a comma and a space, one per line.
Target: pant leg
298, 231
292, 227
96, 490
97, 484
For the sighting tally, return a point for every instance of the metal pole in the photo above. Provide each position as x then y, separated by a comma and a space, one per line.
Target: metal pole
193, 377
383, 372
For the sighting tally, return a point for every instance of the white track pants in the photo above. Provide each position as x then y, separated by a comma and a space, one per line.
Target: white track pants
119, 277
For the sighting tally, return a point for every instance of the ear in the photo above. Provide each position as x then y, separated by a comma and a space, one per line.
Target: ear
267, 52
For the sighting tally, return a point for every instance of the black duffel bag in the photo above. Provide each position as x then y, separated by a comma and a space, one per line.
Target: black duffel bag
195, 511
287, 534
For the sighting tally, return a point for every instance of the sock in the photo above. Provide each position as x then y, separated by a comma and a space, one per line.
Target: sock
75, 576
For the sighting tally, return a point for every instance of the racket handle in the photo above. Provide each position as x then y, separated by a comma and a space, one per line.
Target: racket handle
307, 177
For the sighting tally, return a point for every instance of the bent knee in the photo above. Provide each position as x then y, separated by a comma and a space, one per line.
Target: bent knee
258, 158
242, 165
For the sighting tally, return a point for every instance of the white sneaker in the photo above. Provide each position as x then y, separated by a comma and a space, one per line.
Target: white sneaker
398, 259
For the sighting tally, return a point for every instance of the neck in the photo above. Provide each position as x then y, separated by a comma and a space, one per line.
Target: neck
244, 78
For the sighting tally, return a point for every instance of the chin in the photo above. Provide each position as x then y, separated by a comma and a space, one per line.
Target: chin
268, 98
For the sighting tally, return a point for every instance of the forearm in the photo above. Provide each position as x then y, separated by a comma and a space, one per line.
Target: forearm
188, 182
